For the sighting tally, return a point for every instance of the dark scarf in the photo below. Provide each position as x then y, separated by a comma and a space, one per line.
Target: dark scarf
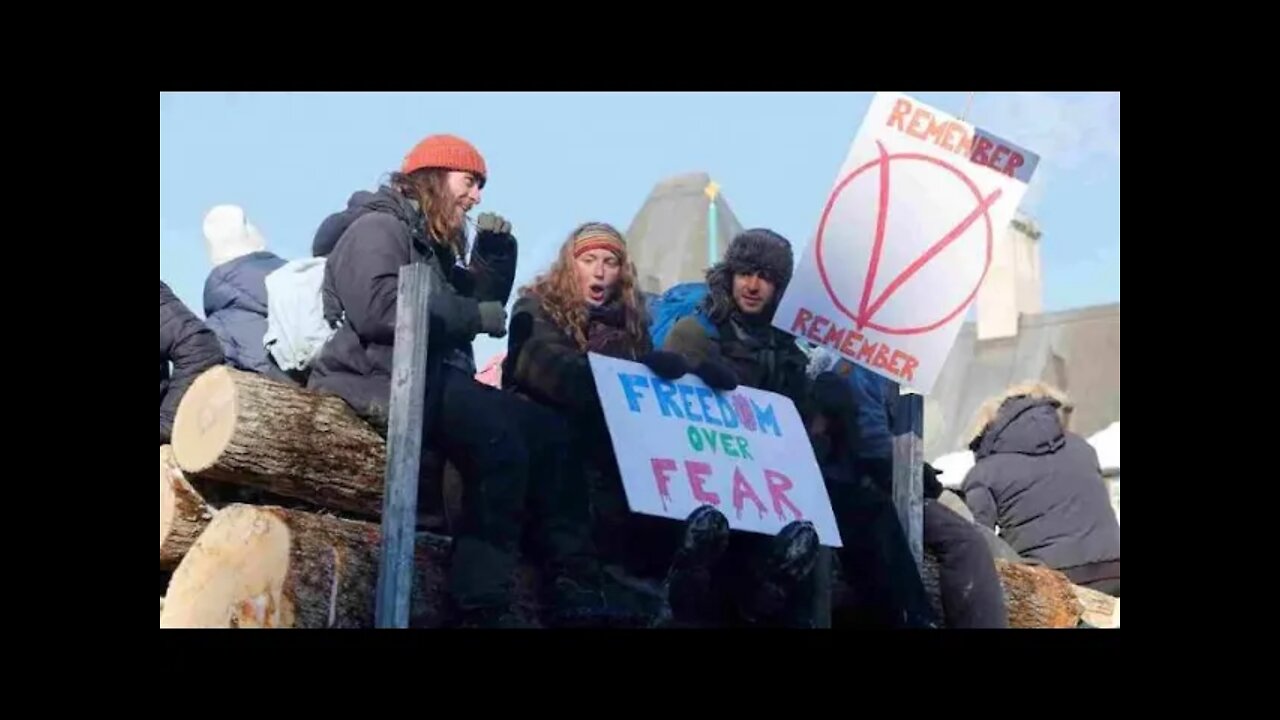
756, 334
607, 332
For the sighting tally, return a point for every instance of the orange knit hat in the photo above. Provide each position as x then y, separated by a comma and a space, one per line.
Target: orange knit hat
445, 151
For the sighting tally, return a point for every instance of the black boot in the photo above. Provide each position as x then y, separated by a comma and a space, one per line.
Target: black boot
788, 561
689, 593
480, 584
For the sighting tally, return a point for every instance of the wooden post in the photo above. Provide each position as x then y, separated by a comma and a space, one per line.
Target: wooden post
404, 447
908, 470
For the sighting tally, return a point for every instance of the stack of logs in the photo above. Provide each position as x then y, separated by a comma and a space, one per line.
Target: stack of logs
303, 550
269, 505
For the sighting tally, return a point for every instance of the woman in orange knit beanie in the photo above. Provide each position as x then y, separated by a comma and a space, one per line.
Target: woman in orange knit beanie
492, 437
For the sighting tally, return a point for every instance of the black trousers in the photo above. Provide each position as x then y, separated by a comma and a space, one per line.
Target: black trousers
646, 545
971, 593
520, 477
737, 578
1101, 576
876, 559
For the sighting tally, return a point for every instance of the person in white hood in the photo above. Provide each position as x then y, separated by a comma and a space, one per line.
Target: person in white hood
235, 293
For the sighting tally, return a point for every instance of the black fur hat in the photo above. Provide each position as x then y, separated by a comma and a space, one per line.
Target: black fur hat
758, 250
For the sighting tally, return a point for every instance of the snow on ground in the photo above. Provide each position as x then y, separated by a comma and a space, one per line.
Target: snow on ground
954, 467
1107, 445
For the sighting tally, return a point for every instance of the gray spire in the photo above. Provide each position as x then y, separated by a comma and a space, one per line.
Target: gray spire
667, 239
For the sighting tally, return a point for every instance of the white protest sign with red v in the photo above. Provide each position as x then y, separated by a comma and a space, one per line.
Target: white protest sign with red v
681, 445
905, 239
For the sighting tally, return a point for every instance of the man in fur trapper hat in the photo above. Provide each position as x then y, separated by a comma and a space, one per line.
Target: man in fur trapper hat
755, 579
771, 579
743, 292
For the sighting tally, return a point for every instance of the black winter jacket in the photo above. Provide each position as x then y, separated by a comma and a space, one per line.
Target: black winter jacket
330, 231
545, 363
190, 346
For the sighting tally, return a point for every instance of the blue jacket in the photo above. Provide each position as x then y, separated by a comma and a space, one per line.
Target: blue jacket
235, 308
875, 395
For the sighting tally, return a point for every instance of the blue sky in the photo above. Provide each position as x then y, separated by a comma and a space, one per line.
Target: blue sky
559, 159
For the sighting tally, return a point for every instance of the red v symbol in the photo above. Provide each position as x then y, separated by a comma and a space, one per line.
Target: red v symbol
868, 308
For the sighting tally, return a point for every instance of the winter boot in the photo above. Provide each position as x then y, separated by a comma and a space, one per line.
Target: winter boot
480, 580
689, 592
786, 563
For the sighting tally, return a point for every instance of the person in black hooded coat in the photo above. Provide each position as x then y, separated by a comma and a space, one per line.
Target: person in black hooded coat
190, 346
485, 433
1042, 486
326, 238
972, 597
588, 302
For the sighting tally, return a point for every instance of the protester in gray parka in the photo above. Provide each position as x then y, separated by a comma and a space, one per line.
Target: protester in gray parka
512, 455
1042, 486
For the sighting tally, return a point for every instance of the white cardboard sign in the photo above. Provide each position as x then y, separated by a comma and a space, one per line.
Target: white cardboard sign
681, 445
905, 239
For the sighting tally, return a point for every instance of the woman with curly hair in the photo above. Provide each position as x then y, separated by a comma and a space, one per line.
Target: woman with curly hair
589, 301
586, 302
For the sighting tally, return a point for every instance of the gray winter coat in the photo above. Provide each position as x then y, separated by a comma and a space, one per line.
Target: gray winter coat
386, 232
1042, 486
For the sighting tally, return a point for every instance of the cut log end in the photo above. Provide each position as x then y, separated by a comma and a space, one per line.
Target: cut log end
1038, 596
206, 420
245, 429
1100, 610
166, 492
183, 512
234, 574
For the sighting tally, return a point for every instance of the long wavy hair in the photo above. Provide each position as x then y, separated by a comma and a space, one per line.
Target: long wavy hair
430, 188
560, 295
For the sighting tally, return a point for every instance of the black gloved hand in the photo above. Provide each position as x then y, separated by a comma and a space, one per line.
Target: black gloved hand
666, 365
493, 233
717, 376
585, 400
932, 485
493, 319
